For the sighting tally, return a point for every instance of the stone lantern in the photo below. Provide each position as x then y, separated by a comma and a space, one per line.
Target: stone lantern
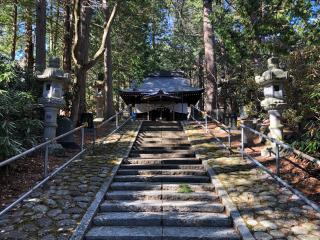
99, 85
53, 79
272, 82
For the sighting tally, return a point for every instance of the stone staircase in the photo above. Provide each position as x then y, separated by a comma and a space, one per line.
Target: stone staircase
161, 191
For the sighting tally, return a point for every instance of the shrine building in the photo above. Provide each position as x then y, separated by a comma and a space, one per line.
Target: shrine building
162, 96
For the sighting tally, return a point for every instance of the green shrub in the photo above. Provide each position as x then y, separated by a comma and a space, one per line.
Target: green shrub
310, 140
19, 128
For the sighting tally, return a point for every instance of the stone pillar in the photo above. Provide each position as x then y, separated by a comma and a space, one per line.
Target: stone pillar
50, 122
272, 82
275, 124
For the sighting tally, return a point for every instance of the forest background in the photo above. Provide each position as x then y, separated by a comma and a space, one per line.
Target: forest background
120, 41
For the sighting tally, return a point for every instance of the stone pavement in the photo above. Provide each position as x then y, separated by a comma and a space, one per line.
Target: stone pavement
269, 210
54, 211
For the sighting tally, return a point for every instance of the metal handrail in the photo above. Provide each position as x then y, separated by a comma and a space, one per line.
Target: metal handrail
277, 175
285, 146
112, 117
224, 127
16, 157
116, 115
221, 125
39, 184
46, 162
205, 117
45, 144
277, 142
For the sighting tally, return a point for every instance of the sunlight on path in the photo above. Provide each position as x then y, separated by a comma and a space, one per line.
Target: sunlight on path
269, 210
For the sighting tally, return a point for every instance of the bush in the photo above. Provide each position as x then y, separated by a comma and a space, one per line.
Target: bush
19, 129
310, 140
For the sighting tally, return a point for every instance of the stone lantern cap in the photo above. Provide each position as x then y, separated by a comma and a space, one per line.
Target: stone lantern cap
98, 83
53, 72
274, 75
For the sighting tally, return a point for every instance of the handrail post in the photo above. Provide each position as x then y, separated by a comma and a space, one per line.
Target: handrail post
82, 139
206, 121
229, 137
277, 159
117, 120
46, 160
94, 137
192, 110
242, 142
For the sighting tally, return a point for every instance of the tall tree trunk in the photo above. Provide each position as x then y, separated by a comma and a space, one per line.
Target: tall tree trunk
108, 81
14, 29
68, 33
210, 61
56, 29
80, 75
79, 95
201, 77
29, 43
84, 53
82, 14
51, 26
41, 35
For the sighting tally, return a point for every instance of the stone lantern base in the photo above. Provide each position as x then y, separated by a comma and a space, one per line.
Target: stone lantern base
57, 150
248, 135
276, 132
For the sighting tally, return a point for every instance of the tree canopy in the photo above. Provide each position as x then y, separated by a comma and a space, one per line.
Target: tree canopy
150, 35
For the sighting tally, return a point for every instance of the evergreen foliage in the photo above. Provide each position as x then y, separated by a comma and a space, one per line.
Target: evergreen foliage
19, 129
152, 35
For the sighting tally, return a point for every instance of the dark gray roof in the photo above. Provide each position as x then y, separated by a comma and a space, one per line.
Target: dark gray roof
165, 83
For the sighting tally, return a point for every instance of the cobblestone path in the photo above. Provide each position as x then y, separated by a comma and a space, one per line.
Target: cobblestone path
269, 210
54, 211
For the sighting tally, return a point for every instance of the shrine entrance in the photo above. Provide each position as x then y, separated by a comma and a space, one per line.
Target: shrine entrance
164, 96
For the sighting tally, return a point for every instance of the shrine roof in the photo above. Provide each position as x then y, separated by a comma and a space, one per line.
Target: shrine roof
168, 83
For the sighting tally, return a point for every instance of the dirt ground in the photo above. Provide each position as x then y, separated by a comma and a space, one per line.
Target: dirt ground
300, 173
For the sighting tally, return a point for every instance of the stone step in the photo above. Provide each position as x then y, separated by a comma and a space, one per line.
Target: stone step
173, 146
161, 195
159, 205
173, 219
161, 233
161, 151
152, 148
154, 172
161, 126
162, 161
160, 186
162, 129
162, 166
162, 155
165, 125
162, 142
162, 135
162, 178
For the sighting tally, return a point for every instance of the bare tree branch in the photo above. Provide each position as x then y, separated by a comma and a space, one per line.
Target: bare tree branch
102, 48
76, 17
